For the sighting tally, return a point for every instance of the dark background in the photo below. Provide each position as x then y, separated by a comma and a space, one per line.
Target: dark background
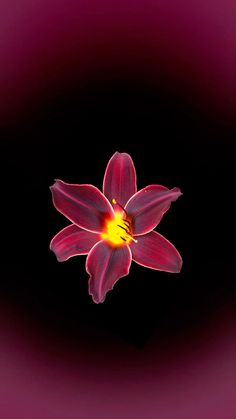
173, 142
79, 82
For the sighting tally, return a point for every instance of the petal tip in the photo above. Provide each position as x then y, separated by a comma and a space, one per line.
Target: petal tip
179, 265
97, 300
177, 191
57, 257
56, 182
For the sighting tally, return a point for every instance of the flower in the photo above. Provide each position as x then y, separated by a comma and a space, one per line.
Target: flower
115, 226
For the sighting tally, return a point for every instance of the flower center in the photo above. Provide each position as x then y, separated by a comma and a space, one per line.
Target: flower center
118, 231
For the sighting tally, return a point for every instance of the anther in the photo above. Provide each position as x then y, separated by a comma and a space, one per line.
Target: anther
127, 231
127, 224
128, 234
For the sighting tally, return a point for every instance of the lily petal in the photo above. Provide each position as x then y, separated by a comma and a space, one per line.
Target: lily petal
73, 241
106, 265
83, 205
155, 252
120, 178
148, 205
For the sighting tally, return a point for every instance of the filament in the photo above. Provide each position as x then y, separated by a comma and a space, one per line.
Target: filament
114, 201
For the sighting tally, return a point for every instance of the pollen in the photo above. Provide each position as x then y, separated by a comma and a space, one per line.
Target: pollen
118, 231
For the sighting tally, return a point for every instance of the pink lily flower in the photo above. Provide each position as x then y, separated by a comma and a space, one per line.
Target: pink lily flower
115, 226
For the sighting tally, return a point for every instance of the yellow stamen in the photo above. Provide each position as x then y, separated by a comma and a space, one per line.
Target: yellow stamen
118, 230
126, 232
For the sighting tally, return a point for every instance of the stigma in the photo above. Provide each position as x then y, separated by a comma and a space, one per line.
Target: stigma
118, 231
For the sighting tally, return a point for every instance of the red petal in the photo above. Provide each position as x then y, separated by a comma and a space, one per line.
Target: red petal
155, 252
106, 265
73, 241
120, 178
83, 205
148, 205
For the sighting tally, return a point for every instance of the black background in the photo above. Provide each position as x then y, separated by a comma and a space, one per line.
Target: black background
174, 140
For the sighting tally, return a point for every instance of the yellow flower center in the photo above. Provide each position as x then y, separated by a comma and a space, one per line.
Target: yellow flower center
118, 231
